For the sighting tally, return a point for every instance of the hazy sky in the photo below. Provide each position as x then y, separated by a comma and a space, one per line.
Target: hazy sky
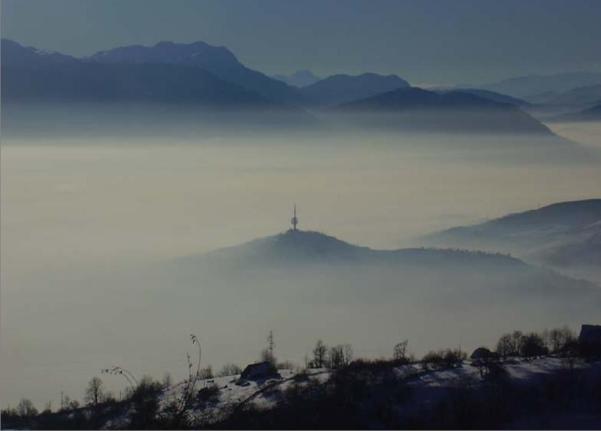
424, 41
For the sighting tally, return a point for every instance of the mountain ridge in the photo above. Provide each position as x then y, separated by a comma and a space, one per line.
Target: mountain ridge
531, 86
341, 88
28, 75
563, 234
299, 247
217, 60
417, 108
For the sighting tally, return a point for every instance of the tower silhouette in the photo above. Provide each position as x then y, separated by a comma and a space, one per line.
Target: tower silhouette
294, 219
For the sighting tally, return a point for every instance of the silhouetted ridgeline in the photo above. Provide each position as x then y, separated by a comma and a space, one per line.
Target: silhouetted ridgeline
198, 79
565, 234
529, 381
416, 109
337, 89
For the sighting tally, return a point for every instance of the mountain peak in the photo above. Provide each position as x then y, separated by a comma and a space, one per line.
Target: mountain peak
197, 53
295, 245
217, 60
341, 88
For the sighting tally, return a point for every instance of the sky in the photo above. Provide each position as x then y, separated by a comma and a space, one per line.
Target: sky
426, 41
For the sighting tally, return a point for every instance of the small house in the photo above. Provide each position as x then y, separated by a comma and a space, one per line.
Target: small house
260, 371
483, 354
590, 339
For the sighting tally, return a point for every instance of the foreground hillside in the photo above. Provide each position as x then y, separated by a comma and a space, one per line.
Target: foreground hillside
545, 392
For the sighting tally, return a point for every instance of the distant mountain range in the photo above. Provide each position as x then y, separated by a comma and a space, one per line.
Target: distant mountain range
493, 96
533, 87
203, 76
300, 78
565, 234
418, 109
217, 60
576, 97
590, 114
31, 75
337, 89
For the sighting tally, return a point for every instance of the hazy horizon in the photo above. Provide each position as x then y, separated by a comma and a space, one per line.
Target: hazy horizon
418, 41
90, 223
147, 195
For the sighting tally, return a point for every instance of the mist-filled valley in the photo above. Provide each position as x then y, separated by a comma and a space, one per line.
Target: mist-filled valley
335, 239
104, 242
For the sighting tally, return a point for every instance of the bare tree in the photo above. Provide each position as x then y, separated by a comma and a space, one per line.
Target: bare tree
25, 408
505, 346
340, 356
320, 353
533, 345
400, 350
94, 392
347, 353
178, 410
559, 338
510, 344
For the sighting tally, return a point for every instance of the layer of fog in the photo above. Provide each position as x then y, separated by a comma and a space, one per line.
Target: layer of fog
87, 223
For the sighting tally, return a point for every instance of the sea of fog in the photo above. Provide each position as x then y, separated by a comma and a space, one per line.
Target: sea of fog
88, 222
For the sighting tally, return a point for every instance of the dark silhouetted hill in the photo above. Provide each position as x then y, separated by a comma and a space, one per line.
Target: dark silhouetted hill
337, 89
29, 75
493, 96
533, 86
454, 111
219, 61
590, 114
563, 234
577, 97
308, 247
312, 260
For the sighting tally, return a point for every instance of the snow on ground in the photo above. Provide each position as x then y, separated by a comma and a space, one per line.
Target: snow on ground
526, 370
517, 369
427, 385
233, 391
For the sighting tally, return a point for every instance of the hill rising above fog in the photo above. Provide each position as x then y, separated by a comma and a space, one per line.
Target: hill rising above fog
315, 254
590, 114
170, 83
308, 247
315, 270
337, 89
29, 75
217, 60
562, 234
492, 95
453, 111
532, 87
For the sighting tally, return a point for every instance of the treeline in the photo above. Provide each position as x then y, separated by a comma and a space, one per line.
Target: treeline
155, 404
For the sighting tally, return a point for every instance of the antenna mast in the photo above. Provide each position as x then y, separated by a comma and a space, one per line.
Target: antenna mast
294, 219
